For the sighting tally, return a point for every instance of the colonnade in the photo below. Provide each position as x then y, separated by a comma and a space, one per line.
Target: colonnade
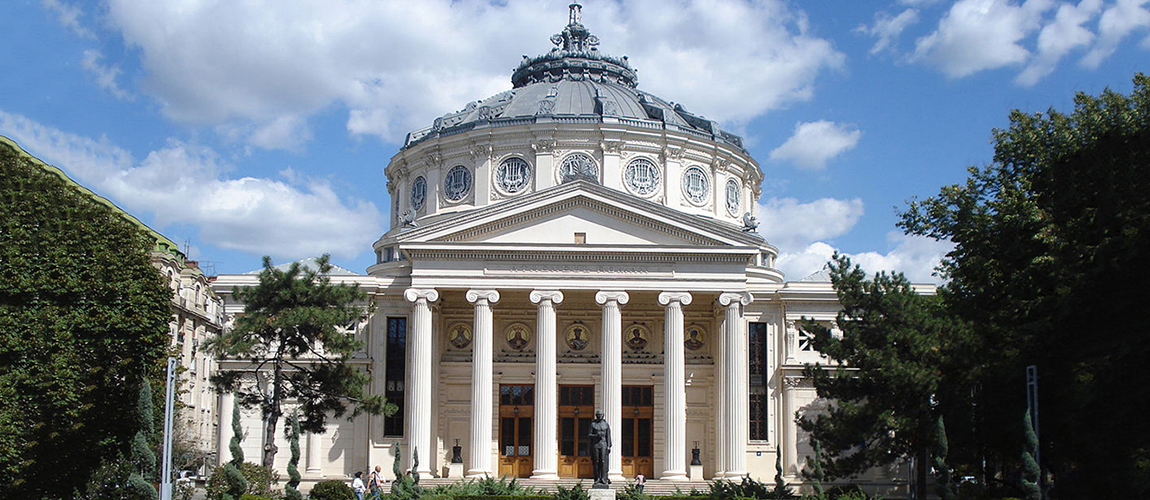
732, 431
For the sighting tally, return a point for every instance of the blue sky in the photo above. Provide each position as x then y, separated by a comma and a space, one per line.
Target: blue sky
248, 127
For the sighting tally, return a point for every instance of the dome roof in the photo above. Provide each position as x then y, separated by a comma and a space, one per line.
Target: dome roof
573, 80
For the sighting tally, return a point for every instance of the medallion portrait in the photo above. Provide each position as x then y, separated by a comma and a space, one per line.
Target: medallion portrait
459, 335
694, 338
636, 337
518, 336
577, 337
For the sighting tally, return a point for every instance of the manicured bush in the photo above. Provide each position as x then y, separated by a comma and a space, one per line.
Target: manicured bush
260, 480
575, 493
331, 490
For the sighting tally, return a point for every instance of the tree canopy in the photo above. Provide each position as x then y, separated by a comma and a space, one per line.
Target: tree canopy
890, 368
297, 330
1051, 242
83, 321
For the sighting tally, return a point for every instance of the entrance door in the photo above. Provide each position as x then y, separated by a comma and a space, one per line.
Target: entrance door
516, 408
636, 434
576, 410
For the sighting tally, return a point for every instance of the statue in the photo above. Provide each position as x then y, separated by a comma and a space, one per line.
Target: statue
600, 438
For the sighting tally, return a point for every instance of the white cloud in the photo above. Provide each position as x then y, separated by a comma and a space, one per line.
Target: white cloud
395, 65
887, 29
915, 256
105, 75
1059, 37
788, 224
288, 219
68, 15
977, 35
814, 143
1118, 21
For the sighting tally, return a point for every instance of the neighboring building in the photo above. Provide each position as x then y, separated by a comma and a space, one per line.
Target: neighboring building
197, 314
568, 245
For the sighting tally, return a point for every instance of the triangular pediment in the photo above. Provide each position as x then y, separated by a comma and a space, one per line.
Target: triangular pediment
603, 215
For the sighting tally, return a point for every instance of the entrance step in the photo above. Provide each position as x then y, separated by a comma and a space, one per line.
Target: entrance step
654, 486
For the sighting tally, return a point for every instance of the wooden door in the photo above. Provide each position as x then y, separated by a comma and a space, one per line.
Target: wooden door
516, 411
576, 410
637, 433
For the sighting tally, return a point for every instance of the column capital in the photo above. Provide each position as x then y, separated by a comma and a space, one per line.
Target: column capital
537, 296
491, 296
739, 298
605, 296
683, 298
414, 294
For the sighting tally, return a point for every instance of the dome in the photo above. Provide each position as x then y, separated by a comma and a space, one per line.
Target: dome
573, 80
572, 114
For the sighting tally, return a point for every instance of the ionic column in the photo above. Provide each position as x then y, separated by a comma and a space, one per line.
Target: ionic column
612, 374
227, 403
675, 405
481, 366
419, 392
546, 386
735, 390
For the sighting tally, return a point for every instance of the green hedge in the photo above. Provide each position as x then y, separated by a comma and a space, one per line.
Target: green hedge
505, 497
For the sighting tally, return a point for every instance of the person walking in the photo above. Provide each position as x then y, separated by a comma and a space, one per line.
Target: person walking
358, 486
640, 482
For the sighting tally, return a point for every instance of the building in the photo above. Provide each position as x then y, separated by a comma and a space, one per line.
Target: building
197, 314
574, 244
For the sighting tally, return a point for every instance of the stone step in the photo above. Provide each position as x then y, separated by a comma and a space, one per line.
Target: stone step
653, 487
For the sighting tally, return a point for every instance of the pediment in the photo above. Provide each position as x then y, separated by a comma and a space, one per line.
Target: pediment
603, 215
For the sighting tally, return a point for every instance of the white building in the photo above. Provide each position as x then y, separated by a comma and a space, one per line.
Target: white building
574, 244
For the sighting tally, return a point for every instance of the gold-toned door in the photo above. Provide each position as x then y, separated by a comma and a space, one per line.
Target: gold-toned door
576, 410
516, 409
636, 434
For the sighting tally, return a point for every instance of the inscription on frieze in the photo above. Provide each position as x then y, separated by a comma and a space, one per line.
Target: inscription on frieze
578, 269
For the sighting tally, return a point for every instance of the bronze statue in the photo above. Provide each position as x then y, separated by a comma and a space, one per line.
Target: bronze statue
600, 439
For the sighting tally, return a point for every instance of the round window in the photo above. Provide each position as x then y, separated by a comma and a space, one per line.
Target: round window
642, 176
513, 174
418, 192
734, 201
578, 166
457, 183
696, 185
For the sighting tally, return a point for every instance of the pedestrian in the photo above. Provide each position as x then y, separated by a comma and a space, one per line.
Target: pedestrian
640, 482
357, 485
375, 481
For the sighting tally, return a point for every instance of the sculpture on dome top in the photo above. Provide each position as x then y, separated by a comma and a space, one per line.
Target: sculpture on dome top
575, 38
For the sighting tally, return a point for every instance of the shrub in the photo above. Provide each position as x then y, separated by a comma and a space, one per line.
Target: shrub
249, 496
260, 480
576, 493
631, 492
331, 490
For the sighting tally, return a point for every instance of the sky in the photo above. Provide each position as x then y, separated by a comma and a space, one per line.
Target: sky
245, 128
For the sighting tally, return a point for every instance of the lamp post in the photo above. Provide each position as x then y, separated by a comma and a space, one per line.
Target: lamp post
169, 411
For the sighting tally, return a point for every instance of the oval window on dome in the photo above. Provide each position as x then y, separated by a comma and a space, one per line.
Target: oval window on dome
457, 183
578, 166
642, 176
696, 185
418, 192
734, 201
513, 175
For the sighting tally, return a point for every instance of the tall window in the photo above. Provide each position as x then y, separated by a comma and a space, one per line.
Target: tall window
394, 372
757, 350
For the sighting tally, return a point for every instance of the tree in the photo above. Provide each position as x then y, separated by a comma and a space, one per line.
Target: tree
295, 332
141, 455
291, 491
83, 321
1031, 473
887, 376
1050, 245
942, 482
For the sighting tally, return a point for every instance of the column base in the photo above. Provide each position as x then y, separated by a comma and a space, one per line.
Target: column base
673, 475
616, 476
732, 474
545, 474
478, 474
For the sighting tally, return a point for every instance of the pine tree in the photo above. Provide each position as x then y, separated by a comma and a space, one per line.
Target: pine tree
781, 490
290, 491
141, 456
943, 485
1031, 472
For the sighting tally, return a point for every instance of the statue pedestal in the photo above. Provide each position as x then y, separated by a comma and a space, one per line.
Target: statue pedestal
696, 473
601, 494
454, 470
